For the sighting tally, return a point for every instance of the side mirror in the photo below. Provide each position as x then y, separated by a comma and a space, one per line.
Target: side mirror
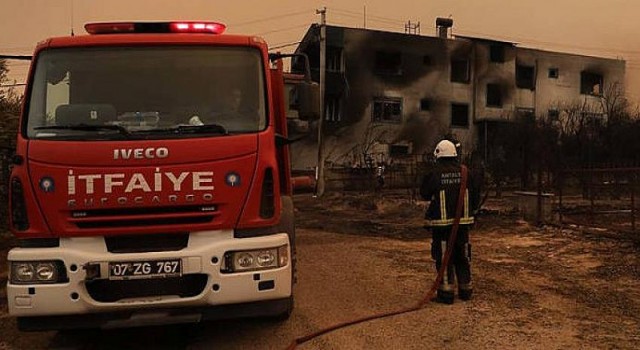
285, 141
308, 100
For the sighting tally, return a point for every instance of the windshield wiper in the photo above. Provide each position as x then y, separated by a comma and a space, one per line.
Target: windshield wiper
85, 127
191, 129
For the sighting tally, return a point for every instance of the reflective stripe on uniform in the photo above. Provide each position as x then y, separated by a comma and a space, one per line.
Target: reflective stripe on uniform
465, 286
445, 277
466, 218
466, 203
443, 205
449, 222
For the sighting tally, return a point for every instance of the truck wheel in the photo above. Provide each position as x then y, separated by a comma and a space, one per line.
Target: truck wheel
287, 313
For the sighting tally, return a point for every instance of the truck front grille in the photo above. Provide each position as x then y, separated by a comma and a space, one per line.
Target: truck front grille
136, 217
108, 291
147, 243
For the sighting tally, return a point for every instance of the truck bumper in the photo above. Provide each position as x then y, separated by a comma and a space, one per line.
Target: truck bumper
201, 292
109, 320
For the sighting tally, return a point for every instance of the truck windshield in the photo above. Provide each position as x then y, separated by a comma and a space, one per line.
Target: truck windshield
146, 92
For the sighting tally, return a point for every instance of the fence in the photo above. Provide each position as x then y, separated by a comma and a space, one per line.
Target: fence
603, 197
401, 172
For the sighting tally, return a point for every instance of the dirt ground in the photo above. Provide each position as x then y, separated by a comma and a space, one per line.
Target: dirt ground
535, 287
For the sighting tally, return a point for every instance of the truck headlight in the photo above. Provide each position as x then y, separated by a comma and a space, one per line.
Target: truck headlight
243, 260
22, 272
34, 272
253, 260
266, 258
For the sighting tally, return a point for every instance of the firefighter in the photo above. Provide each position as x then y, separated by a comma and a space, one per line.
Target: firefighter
231, 103
441, 186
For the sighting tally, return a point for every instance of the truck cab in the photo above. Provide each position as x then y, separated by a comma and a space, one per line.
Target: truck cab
151, 180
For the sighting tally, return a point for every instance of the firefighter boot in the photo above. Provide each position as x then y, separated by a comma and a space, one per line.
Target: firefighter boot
465, 294
444, 297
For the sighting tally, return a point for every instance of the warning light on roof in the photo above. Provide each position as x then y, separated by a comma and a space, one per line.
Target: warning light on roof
155, 27
197, 27
109, 28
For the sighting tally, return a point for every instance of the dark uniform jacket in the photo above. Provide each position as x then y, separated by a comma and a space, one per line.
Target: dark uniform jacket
441, 186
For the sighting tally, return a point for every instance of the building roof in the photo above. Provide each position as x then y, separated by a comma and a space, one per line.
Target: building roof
488, 40
312, 35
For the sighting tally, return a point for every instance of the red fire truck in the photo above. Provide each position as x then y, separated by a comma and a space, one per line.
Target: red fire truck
151, 181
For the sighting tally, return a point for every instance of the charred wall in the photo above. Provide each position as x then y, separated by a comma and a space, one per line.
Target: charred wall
409, 68
494, 80
426, 81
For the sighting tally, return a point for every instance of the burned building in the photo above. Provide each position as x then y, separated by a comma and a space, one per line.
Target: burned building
391, 94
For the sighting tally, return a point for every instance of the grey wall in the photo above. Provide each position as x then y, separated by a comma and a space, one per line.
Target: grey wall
359, 84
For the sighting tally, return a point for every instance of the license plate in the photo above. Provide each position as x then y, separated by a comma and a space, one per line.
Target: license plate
145, 269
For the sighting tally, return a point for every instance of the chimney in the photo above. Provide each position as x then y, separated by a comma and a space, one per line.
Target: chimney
442, 27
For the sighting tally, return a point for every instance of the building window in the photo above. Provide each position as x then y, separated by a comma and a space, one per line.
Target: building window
494, 95
387, 109
525, 77
334, 59
554, 73
460, 115
398, 150
388, 63
591, 83
425, 104
553, 114
332, 110
526, 114
460, 70
496, 53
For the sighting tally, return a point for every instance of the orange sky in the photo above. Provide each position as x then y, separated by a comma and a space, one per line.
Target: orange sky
608, 28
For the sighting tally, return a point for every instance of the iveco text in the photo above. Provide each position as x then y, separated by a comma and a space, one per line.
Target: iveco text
141, 153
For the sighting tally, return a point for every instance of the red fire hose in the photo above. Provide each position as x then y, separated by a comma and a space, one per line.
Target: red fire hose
425, 299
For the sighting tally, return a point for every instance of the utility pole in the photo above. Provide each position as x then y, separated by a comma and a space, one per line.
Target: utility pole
320, 185
364, 19
72, 18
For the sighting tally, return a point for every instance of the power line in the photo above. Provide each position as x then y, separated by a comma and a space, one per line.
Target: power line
12, 85
388, 22
15, 57
369, 18
283, 29
280, 46
339, 23
523, 40
266, 19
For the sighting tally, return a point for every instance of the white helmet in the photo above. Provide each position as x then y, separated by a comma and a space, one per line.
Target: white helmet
445, 148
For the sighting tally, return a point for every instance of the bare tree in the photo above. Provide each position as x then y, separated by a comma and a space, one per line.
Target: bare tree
10, 102
613, 101
374, 133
